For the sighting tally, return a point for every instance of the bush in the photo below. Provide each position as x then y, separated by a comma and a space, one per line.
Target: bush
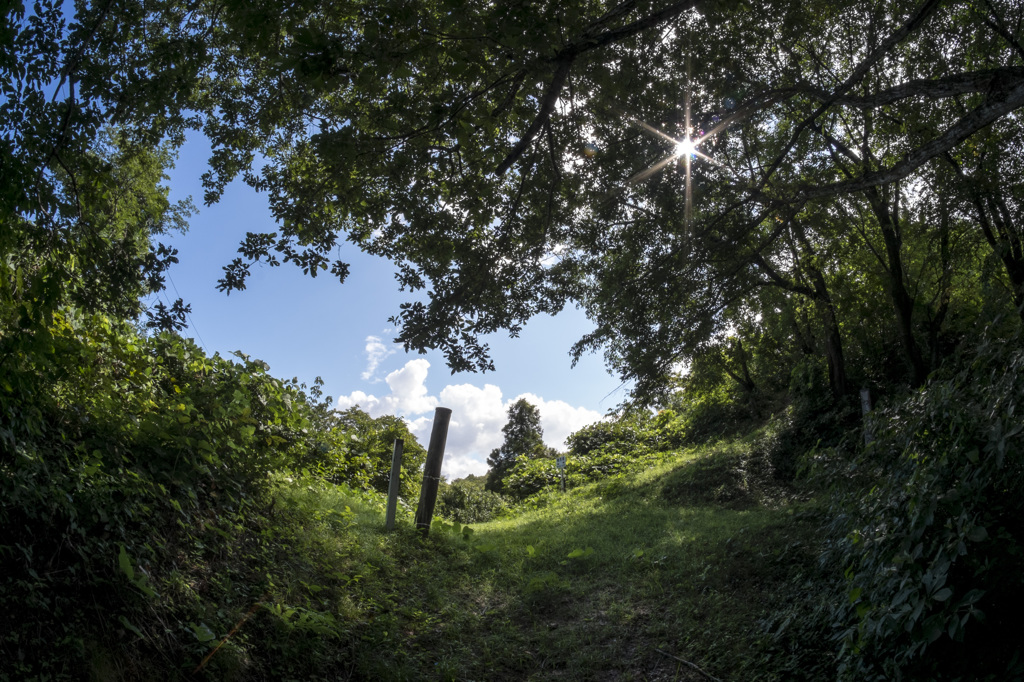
123, 460
799, 430
466, 503
530, 476
929, 530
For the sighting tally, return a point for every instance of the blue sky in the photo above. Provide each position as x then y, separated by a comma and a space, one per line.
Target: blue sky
306, 327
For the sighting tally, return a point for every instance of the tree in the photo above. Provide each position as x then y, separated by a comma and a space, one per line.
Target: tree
523, 437
376, 438
82, 203
389, 128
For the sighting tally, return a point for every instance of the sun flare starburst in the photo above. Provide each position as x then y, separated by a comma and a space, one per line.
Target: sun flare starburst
686, 147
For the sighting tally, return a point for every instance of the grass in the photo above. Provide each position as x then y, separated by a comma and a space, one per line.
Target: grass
589, 585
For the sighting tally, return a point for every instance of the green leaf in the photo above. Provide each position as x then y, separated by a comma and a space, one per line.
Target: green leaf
977, 534
581, 553
972, 596
202, 632
126, 564
943, 594
129, 626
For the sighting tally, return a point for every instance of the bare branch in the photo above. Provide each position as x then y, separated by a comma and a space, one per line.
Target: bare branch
687, 663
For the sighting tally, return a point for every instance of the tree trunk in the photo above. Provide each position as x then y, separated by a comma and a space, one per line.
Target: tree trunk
1003, 237
902, 301
830, 321
935, 321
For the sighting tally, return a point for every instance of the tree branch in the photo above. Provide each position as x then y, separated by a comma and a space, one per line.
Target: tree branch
547, 105
687, 663
950, 86
862, 69
588, 41
994, 108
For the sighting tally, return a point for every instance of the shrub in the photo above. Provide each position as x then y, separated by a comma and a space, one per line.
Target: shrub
931, 538
466, 503
122, 457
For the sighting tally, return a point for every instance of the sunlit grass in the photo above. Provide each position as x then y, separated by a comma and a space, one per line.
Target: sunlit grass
587, 587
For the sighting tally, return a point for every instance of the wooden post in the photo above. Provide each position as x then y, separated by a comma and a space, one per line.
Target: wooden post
865, 407
432, 469
396, 477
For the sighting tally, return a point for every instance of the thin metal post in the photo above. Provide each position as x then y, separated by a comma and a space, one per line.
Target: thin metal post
432, 469
396, 476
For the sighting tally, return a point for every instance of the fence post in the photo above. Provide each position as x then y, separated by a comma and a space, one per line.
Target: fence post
396, 476
865, 407
432, 469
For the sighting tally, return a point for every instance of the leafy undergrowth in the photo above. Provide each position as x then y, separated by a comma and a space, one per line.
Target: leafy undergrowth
605, 582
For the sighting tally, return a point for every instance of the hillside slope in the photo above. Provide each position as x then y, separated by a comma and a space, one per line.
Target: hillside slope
610, 581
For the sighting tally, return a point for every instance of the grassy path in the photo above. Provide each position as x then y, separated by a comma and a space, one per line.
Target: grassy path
589, 587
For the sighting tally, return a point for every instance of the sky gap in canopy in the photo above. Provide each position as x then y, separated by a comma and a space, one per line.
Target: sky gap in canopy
307, 327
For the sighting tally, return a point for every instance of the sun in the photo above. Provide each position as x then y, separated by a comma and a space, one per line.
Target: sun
685, 147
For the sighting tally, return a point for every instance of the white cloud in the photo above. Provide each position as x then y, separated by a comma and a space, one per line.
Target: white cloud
376, 352
408, 392
559, 419
459, 466
478, 414
367, 403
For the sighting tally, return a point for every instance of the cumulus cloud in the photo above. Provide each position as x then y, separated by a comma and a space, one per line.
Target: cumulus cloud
408, 393
376, 352
478, 414
559, 419
408, 390
367, 403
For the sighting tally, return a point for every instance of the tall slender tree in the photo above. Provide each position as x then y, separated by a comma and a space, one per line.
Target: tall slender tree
523, 436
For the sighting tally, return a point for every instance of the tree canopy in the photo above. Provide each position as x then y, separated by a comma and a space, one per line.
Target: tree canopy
850, 199
786, 198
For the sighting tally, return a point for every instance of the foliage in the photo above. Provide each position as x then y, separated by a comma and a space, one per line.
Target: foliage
118, 445
599, 451
706, 413
127, 462
853, 214
850, 210
374, 439
856, 229
928, 530
524, 437
465, 503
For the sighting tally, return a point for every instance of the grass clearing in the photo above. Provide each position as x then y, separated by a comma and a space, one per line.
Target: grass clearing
587, 587
608, 581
